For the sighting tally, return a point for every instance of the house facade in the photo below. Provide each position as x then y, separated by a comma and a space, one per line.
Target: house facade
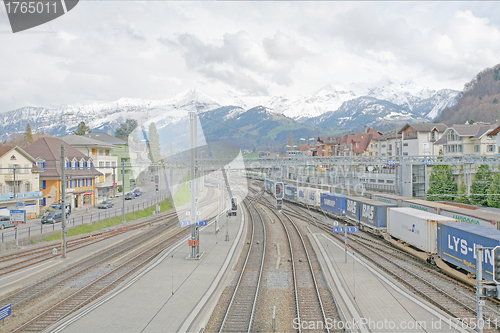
419, 138
468, 140
79, 171
104, 162
123, 154
19, 181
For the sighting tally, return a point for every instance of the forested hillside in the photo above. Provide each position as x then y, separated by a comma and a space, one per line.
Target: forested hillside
480, 100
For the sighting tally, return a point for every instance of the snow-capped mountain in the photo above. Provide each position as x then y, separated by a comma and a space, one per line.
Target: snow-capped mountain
331, 106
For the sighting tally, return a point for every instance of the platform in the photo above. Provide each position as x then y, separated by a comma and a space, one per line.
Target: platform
370, 298
171, 294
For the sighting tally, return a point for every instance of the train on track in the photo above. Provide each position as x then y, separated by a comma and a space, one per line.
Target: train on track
440, 230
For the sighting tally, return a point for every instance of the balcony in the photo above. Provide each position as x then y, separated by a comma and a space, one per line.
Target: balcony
411, 135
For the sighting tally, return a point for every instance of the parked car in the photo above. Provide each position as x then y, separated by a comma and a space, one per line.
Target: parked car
52, 216
5, 222
137, 192
105, 205
57, 206
129, 196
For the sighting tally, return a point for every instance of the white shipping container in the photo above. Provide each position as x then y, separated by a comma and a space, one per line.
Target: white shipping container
415, 227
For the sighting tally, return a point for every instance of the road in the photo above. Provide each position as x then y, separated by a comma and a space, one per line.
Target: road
92, 214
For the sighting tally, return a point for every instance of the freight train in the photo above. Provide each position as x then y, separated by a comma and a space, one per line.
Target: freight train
441, 230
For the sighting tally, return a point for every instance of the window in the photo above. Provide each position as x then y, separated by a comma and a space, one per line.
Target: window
372, 180
390, 181
380, 181
90, 181
433, 136
44, 185
405, 144
107, 152
113, 164
490, 148
357, 144
405, 153
101, 164
460, 148
94, 151
383, 146
43, 165
390, 147
477, 148
67, 184
44, 202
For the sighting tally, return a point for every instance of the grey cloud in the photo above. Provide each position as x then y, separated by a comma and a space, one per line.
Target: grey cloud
239, 60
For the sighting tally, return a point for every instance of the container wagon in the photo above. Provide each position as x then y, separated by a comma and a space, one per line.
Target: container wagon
415, 227
333, 203
465, 215
290, 192
373, 213
301, 195
457, 244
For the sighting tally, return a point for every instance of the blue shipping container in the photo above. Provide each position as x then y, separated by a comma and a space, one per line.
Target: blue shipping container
457, 244
373, 213
333, 203
352, 209
301, 194
290, 192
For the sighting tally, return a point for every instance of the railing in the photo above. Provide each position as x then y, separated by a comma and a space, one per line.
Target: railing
84, 219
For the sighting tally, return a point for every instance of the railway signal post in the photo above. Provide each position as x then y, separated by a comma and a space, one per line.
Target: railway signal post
279, 194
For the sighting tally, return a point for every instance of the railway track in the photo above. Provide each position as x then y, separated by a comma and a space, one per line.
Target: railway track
308, 298
241, 308
97, 273
395, 263
31, 257
98, 287
16, 261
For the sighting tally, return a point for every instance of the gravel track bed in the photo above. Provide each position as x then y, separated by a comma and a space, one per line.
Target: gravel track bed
277, 283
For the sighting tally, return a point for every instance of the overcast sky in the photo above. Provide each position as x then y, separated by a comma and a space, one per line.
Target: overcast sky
105, 50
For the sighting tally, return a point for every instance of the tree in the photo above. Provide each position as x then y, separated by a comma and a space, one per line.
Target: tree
82, 129
28, 137
154, 144
495, 101
126, 128
482, 181
442, 186
462, 194
472, 121
494, 192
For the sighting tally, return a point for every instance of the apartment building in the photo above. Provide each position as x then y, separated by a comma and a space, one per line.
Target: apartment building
419, 138
19, 181
468, 139
104, 162
328, 142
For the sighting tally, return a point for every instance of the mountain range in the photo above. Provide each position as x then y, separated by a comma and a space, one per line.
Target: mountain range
250, 121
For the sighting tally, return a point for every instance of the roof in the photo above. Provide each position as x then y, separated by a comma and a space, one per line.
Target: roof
82, 141
4, 149
49, 149
425, 127
329, 139
443, 140
474, 131
361, 139
105, 137
494, 131
386, 136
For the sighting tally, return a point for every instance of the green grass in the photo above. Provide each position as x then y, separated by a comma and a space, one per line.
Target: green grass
183, 195
86, 228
